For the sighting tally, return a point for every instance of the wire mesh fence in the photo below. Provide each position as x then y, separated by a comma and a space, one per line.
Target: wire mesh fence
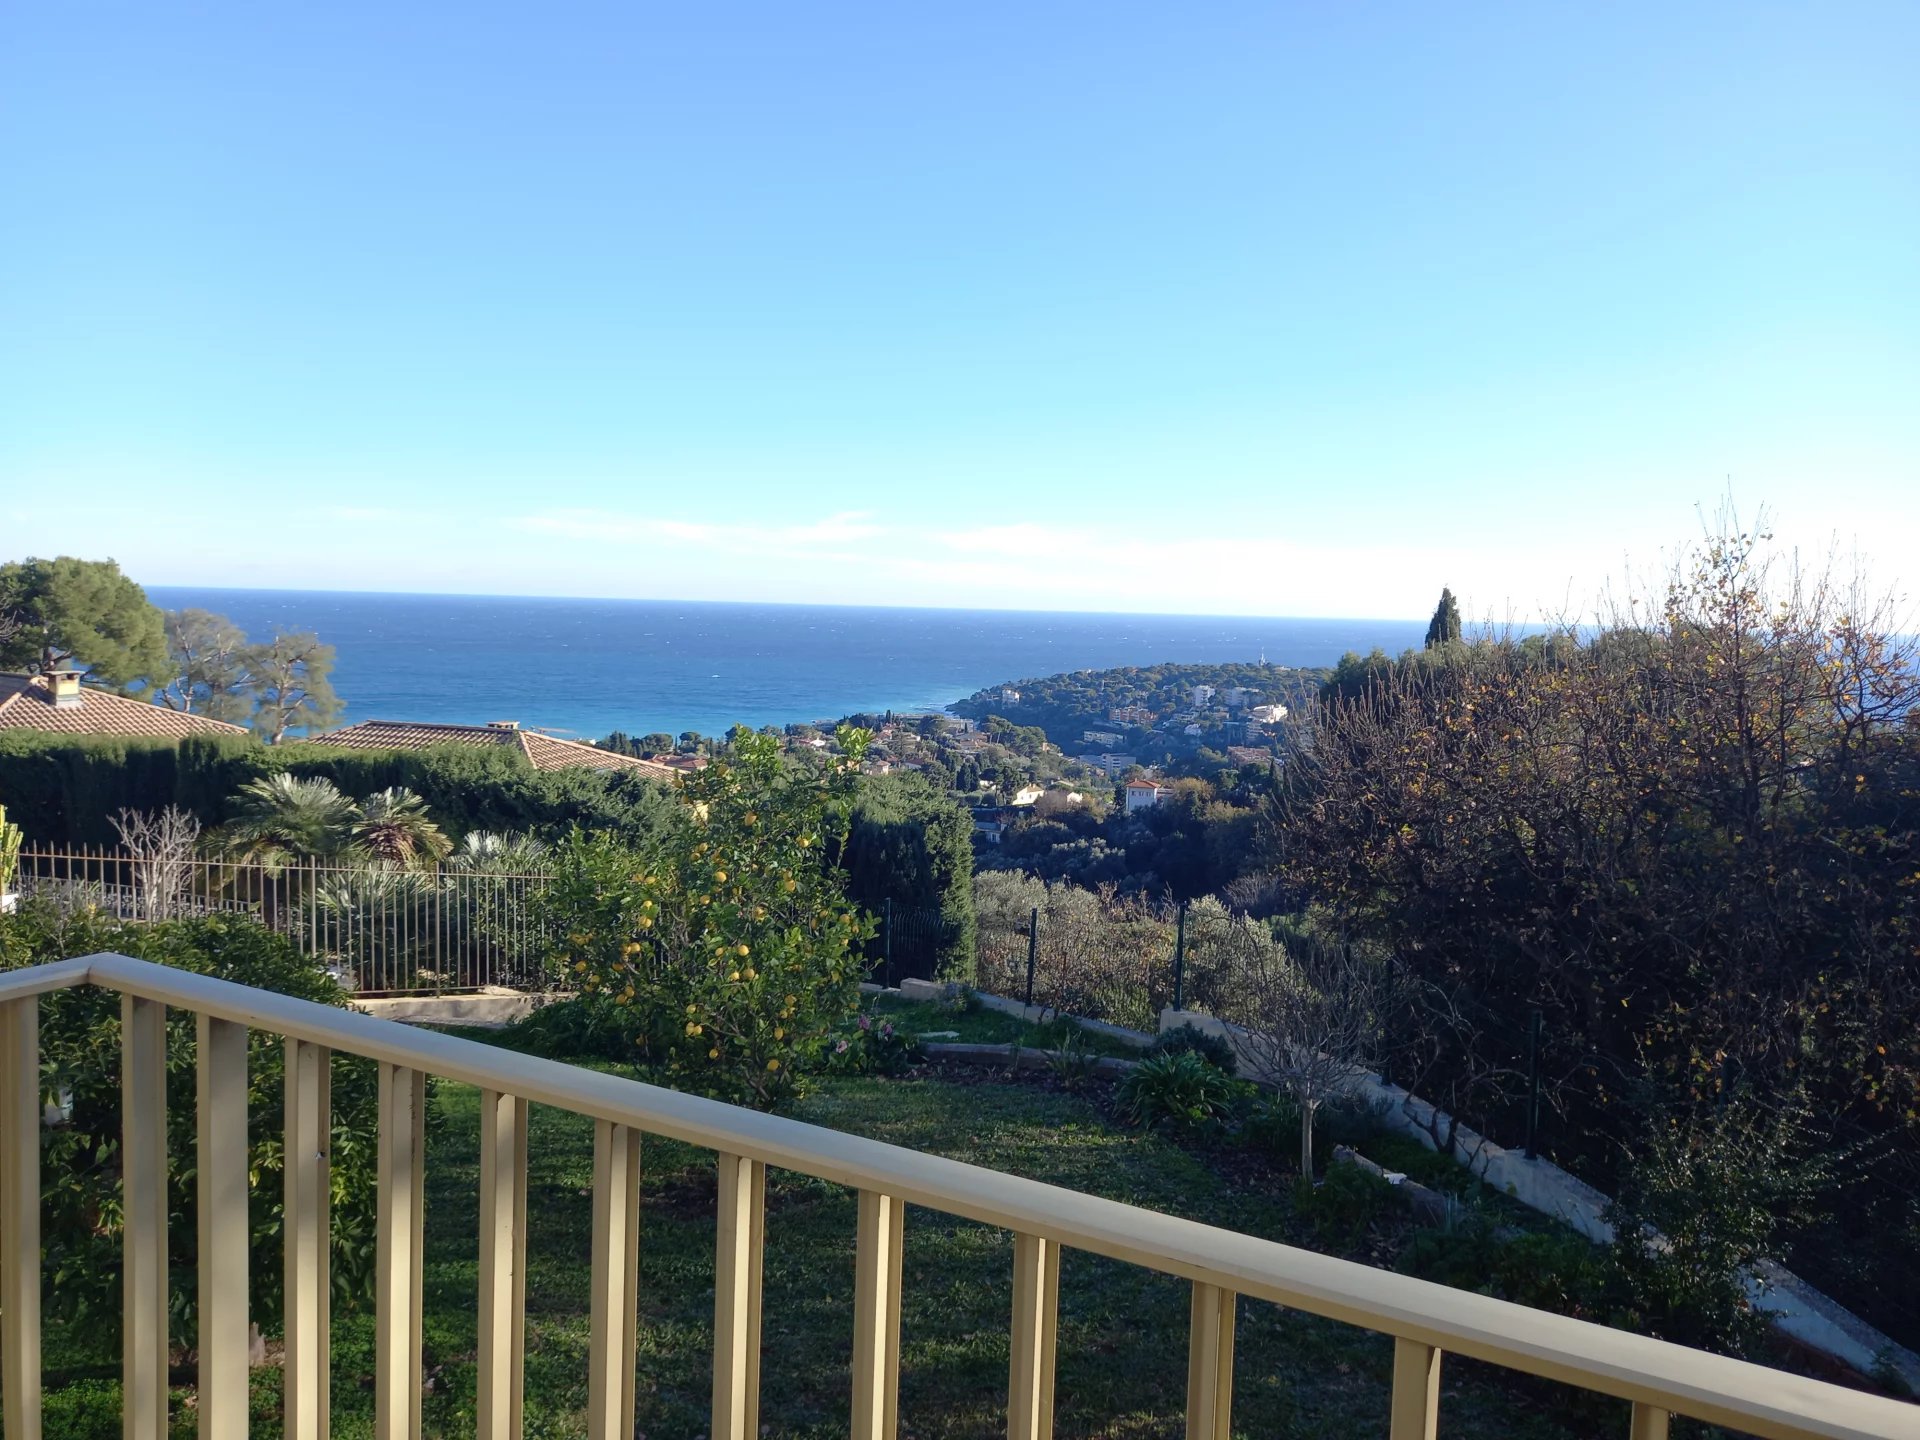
381, 930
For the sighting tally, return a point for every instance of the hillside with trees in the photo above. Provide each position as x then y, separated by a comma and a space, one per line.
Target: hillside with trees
1162, 714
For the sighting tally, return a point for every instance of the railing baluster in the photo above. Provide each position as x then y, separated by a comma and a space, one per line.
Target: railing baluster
309, 1144
1210, 1364
738, 1255
401, 1220
1649, 1422
224, 1230
1036, 1308
143, 1171
1416, 1391
503, 1265
615, 1282
20, 1216
876, 1316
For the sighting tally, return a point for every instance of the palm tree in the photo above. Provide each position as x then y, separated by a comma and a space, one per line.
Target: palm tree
499, 852
287, 817
395, 828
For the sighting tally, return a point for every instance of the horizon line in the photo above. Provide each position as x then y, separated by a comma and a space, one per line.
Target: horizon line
787, 604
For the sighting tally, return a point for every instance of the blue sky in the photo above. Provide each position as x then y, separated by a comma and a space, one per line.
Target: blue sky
1225, 308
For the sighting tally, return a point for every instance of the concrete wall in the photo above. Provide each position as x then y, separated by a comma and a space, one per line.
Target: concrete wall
1798, 1310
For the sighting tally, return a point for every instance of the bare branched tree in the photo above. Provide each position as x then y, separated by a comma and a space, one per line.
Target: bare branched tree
162, 845
1312, 1023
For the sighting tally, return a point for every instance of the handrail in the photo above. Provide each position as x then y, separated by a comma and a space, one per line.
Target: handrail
1648, 1372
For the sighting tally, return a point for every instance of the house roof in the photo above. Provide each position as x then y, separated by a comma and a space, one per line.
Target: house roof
543, 752
1143, 785
26, 704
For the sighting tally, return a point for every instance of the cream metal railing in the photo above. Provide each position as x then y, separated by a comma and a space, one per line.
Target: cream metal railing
1426, 1320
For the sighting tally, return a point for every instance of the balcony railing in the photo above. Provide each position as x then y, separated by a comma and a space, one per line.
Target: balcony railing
1427, 1321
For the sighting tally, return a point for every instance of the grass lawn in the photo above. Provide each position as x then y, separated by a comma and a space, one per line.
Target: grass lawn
982, 1026
1122, 1351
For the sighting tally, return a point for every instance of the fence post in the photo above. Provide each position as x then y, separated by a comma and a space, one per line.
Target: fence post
1033, 949
1180, 956
1533, 1082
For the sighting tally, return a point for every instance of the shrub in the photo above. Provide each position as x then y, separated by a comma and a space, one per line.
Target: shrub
1345, 1205
585, 1027
1273, 1126
1180, 1091
733, 940
80, 1050
872, 1046
1702, 1199
1216, 1050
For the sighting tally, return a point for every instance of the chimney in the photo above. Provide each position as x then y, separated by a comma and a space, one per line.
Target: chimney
503, 724
63, 688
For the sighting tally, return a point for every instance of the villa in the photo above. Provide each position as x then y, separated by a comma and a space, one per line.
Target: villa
543, 752
58, 703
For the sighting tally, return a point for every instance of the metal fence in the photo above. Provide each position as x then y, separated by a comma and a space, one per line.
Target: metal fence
380, 929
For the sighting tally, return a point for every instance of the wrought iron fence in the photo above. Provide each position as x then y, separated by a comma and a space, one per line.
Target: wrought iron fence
381, 929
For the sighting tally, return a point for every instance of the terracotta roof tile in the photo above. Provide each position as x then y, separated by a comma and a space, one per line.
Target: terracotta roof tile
25, 705
543, 752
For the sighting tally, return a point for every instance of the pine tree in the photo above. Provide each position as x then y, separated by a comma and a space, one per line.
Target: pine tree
1444, 628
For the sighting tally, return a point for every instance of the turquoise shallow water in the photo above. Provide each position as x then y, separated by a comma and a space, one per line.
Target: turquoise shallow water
586, 667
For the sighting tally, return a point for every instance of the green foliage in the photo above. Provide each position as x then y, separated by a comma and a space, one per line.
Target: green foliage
63, 788
735, 938
285, 817
276, 686
1345, 1205
1214, 1049
871, 1045
10, 840
1444, 628
394, 827
1272, 1126
80, 1045
292, 686
82, 611
1702, 1199
1555, 1270
1066, 705
910, 844
1181, 1092
582, 1027
1687, 839
211, 667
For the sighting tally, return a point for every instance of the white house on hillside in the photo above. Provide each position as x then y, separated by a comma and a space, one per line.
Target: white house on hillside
1145, 794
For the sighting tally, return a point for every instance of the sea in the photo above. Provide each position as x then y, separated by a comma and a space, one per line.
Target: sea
581, 669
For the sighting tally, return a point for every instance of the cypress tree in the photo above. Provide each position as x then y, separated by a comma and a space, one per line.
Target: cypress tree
1444, 628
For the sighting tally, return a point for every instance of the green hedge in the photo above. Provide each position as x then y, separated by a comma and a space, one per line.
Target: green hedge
63, 790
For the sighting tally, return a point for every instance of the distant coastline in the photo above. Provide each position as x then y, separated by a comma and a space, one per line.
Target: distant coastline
583, 668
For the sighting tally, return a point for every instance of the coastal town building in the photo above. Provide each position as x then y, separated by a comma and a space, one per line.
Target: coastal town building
1027, 794
1110, 764
1145, 794
1130, 715
685, 764
1268, 714
60, 703
1202, 696
1238, 697
543, 752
